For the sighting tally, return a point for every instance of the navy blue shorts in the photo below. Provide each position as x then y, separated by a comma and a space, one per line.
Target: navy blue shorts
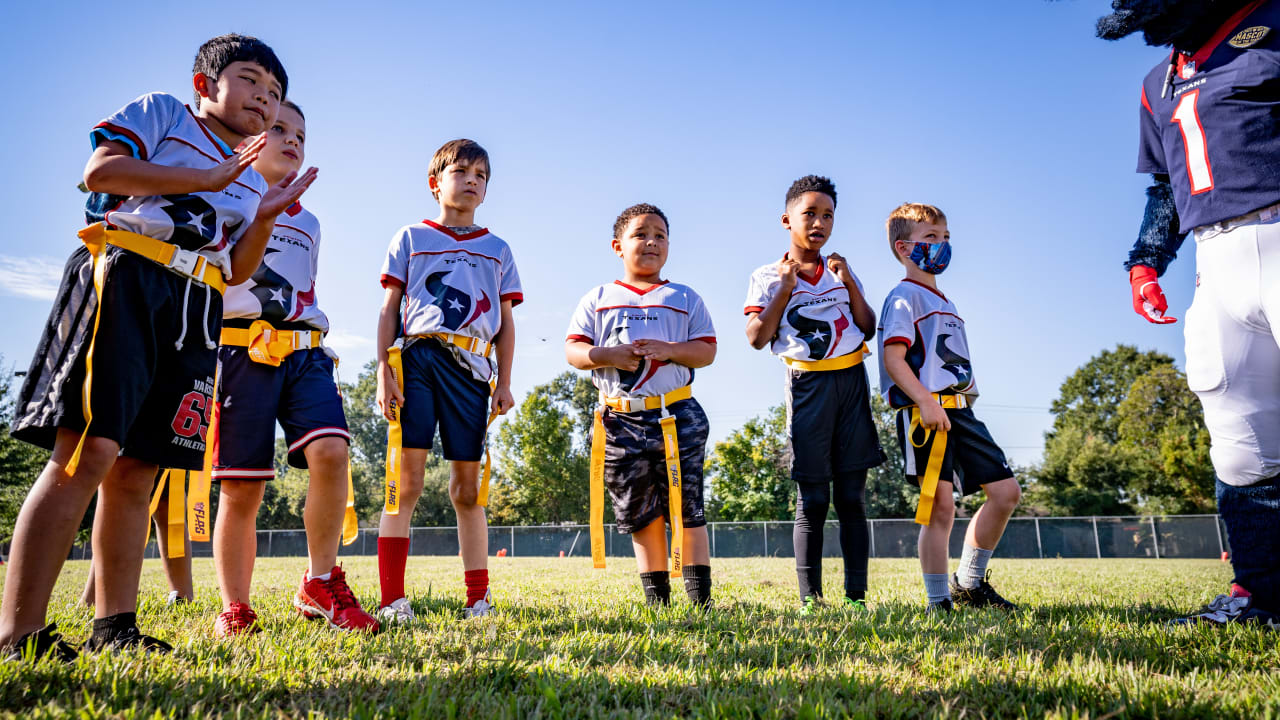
635, 465
439, 391
972, 458
829, 425
300, 394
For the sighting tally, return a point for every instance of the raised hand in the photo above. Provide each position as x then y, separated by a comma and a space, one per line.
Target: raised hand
285, 193
225, 172
840, 267
788, 271
1148, 297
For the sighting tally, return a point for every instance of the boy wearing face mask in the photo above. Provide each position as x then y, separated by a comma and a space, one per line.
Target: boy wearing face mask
926, 375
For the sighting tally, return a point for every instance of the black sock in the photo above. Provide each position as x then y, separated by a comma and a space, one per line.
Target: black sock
854, 538
108, 627
697, 584
657, 587
812, 501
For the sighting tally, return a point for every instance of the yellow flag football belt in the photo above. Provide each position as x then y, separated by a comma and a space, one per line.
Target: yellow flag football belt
671, 453
929, 482
828, 364
97, 237
270, 346
395, 432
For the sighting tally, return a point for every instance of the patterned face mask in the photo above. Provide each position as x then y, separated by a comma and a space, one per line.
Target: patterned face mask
932, 258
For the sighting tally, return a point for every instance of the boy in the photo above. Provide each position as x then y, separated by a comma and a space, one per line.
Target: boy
926, 375
642, 337
274, 367
811, 311
457, 283
126, 364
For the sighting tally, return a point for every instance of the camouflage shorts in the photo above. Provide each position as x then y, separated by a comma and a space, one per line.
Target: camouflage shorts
635, 470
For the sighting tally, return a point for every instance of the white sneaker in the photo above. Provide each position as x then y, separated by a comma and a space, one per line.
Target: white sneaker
481, 608
397, 613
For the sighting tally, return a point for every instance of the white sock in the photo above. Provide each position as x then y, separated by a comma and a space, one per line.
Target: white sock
973, 566
936, 587
321, 578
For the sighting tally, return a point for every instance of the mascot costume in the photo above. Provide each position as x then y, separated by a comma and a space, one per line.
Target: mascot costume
1209, 118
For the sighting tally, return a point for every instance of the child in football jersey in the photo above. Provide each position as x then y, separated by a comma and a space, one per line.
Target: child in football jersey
121, 382
274, 368
457, 283
811, 311
642, 337
926, 374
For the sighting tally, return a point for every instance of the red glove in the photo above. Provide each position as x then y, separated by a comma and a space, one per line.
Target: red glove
1148, 298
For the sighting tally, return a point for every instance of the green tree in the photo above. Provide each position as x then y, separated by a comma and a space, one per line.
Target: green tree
888, 494
750, 471
1163, 420
20, 462
544, 456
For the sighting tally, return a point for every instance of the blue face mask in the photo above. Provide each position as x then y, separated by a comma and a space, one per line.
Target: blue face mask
932, 258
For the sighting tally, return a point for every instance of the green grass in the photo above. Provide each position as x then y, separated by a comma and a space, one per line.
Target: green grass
573, 642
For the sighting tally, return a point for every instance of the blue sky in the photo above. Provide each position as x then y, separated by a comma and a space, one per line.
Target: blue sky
1008, 115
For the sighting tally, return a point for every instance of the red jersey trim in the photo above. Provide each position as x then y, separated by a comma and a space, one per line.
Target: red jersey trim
1146, 104
818, 294
454, 235
515, 298
926, 287
456, 250
392, 280
752, 309
295, 227
664, 307
580, 338
711, 339
898, 339
142, 147
1232, 22
293, 209
638, 291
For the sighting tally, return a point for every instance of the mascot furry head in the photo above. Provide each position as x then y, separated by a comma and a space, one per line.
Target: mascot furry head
1182, 24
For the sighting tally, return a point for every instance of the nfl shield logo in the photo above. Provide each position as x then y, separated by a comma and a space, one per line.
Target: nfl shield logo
1188, 69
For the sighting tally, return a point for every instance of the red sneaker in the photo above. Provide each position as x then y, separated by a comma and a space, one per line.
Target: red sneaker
332, 600
239, 620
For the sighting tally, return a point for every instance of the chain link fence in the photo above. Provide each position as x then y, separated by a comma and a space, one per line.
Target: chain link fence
1182, 536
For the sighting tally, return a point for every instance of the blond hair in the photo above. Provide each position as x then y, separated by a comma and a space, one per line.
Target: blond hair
903, 220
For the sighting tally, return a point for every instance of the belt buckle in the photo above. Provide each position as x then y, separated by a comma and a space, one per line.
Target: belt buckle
301, 340
625, 404
471, 344
184, 262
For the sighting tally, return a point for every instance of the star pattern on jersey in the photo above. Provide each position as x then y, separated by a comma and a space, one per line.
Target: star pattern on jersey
194, 221
277, 296
273, 290
954, 363
454, 304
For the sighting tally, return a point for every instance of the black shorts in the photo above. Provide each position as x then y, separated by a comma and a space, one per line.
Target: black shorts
152, 372
438, 390
635, 465
829, 423
972, 457
300, 394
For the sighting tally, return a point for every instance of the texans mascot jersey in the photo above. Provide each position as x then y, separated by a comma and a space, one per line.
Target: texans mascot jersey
284, 287
617, 314
1213, 128
937, 350
453, 284
818, 322
158, 128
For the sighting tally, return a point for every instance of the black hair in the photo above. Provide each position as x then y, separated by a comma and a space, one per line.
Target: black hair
636, 211
216, 54
812, 183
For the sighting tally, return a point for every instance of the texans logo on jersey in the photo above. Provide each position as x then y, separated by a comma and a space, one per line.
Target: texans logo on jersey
273, 290
820, 335
195, 222
954, 363
455, 305
632, 380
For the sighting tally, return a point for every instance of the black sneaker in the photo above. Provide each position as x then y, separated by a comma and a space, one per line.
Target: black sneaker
982, 596
39, 643
943, 607
125, 638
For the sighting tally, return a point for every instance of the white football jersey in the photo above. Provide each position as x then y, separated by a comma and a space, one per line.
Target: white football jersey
618, 313
453, 284
283, 289
160, 129
818, 322
926, 322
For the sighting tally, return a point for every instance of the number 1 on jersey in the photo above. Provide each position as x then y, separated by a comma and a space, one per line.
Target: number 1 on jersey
1193, 143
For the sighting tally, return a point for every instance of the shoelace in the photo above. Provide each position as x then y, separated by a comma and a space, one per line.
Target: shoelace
241, 615
338, 588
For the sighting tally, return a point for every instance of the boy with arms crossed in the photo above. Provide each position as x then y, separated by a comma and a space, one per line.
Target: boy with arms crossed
925, 373
811, 312
274, 367
642, 337
457, 283
181, 216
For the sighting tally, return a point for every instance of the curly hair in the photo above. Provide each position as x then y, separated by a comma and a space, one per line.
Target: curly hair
636, 211
812, 183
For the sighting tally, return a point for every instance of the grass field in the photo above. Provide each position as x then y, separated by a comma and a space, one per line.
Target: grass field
572, 642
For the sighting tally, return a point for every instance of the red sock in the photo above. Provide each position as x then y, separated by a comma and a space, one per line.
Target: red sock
477, 585
1237, 591
393, 554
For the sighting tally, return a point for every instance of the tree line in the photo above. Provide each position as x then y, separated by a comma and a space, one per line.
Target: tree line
1128, 437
